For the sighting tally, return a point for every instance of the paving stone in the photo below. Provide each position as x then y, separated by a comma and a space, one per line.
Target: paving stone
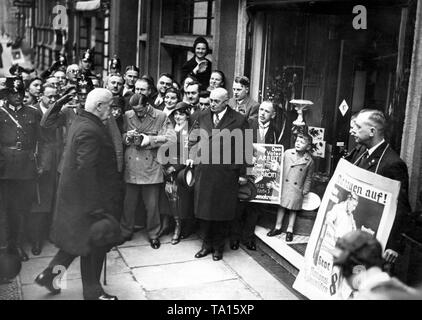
141, 239
146, 256
222, 290
32, 268
252, 273
183, 274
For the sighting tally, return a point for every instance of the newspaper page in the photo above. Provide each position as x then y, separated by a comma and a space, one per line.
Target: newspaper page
355, 199
267, 172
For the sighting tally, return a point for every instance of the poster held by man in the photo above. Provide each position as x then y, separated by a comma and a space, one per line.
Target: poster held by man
354, 200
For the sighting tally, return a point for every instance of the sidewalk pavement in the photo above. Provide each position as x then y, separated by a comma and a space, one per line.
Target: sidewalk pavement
135, 271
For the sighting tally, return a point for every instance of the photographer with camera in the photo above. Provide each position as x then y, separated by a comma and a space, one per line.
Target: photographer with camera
145, 130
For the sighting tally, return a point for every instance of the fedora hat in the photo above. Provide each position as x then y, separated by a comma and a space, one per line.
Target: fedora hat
247, 191
10, 266
186, 177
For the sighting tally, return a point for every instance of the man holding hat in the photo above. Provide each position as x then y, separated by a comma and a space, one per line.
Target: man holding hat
360, 259
216, 177
19, 136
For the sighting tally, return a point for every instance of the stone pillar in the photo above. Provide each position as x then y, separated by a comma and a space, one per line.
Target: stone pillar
411, 151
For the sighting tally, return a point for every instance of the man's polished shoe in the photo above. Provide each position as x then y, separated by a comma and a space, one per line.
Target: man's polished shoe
251, 246
36, 248
217, 255
289, 237
203, 252
274, 232
234, 245
106, 296
155, 243
45, 279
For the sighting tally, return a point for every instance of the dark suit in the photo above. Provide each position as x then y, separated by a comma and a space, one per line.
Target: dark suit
89, 182
386, 162
216, 185
247, 213
248, 107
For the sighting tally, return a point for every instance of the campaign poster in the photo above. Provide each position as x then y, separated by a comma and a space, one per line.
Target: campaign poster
355, 199
267, 172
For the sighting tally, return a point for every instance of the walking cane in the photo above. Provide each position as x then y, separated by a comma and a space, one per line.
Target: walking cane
105, 270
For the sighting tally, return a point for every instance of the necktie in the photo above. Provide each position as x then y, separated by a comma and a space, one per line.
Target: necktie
362, 160
216, 120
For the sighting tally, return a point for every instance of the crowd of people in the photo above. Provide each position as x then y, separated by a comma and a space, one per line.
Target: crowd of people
77, 150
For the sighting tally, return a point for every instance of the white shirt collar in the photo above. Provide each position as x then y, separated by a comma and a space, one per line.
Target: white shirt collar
221, 114
370, 151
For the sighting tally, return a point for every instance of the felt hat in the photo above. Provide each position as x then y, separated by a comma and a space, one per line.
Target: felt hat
186, 177
105, 231
10, 266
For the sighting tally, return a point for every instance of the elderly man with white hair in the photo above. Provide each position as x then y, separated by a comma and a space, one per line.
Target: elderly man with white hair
217, 178
88, 190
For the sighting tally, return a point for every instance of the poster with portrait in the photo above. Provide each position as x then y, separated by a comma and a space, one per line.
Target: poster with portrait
355, 199
267, 172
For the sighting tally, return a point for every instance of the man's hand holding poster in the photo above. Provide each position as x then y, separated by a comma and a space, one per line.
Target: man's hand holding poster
267, 172
355, 199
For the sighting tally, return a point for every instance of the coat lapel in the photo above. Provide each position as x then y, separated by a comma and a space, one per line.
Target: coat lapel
374, 158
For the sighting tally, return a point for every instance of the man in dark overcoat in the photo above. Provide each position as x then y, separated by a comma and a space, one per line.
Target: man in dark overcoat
220, 163
88, 187
377, 156
264, 130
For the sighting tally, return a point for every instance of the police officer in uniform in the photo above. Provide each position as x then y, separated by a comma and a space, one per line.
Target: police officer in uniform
19, 135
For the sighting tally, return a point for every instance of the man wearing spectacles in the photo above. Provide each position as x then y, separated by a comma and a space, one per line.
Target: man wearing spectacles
72, 73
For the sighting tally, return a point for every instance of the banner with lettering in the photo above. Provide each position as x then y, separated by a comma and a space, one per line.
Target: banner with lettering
355, 199
267, 172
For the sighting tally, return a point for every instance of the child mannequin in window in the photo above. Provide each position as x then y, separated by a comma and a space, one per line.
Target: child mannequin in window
298, 167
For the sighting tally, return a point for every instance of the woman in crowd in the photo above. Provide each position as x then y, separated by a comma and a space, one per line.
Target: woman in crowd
171, 98
199, 66
217, 80
179, 194
33, 91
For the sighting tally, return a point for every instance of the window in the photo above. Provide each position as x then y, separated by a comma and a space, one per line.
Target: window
196, 17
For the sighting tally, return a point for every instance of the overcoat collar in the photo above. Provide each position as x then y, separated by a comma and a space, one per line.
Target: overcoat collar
373, 160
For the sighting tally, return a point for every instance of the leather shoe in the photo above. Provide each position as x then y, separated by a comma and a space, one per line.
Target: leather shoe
155, 243
274, 232
218, 255
203, 252
106, 296
289, 236
251, 246
45, 279
234, 245
36, 248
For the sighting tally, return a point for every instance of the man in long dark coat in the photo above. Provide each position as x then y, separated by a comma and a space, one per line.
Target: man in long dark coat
217, 175
88, 187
